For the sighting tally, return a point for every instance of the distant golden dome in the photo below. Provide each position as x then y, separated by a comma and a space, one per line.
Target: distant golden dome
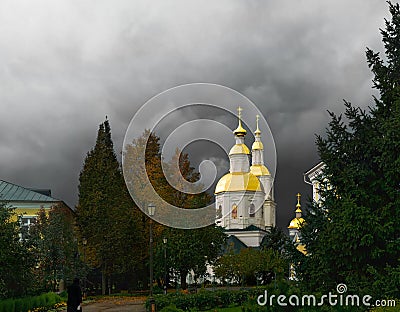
238, 181
257, 145
239, 149
296, 223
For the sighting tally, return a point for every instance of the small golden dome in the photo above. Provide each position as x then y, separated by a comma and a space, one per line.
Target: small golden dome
257, 145
238, 181
259, 170
239, 149
298, 210
296, 223
240, 131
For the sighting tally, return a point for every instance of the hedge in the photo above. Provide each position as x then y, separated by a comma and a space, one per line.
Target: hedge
245, 298
29, 303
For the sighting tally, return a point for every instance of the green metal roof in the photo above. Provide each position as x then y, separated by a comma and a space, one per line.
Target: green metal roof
11, 192
235, 243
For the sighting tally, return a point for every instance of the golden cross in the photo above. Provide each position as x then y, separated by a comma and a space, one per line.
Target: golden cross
239, 109
298, 198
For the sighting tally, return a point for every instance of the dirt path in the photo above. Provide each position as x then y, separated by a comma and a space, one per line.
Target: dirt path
122, 304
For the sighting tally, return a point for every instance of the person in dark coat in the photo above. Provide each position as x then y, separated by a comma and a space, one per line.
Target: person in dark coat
74, 296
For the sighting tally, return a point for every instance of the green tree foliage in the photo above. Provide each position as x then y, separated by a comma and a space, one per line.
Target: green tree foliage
277, 240
188, 250
137, 168
16, 259
250, 264
105, 214
55, 247
353, 237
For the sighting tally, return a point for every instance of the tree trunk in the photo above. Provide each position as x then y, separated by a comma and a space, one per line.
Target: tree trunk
183, 274
103, 282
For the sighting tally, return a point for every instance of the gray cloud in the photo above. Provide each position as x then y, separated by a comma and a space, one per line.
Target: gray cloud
67, 64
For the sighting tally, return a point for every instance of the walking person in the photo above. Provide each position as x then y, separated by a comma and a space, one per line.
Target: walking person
74, 296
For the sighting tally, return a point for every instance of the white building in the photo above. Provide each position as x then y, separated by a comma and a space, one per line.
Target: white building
244, 197
311, 177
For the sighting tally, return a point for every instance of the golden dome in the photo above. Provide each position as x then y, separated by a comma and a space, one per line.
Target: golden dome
257, 145
296, 223
239, 149
259, 170
298, 210
238, 181
240, 131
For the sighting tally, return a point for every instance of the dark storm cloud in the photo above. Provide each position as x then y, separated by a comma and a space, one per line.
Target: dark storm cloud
67, 64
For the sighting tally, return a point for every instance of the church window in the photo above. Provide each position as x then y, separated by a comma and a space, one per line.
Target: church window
234, 211
252, 211
219, 212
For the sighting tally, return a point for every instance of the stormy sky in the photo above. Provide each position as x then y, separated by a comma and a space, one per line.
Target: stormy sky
65, 65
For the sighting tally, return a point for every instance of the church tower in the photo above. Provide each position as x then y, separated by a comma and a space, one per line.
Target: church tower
295, 224
243, 208
294, 227
259, 170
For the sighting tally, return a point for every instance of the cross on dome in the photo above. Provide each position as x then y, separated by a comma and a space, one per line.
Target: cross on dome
240, 131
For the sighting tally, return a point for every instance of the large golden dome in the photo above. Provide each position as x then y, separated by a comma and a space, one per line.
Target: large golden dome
296, 223
238, 181
259, 170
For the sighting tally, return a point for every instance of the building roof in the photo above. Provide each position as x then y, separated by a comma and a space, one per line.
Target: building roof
250, 228
12, 192
314, 171
233, 243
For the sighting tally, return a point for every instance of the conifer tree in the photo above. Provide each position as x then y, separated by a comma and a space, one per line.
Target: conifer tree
105, 213
352, 237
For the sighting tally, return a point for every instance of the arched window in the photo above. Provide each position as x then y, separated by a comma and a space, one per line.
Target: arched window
252, 211
219, 212
234, 211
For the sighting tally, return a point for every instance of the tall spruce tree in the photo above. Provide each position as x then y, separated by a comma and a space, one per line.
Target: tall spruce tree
105, 214
352, 236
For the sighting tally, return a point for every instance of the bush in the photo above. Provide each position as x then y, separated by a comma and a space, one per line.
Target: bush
205, 300
171, 308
